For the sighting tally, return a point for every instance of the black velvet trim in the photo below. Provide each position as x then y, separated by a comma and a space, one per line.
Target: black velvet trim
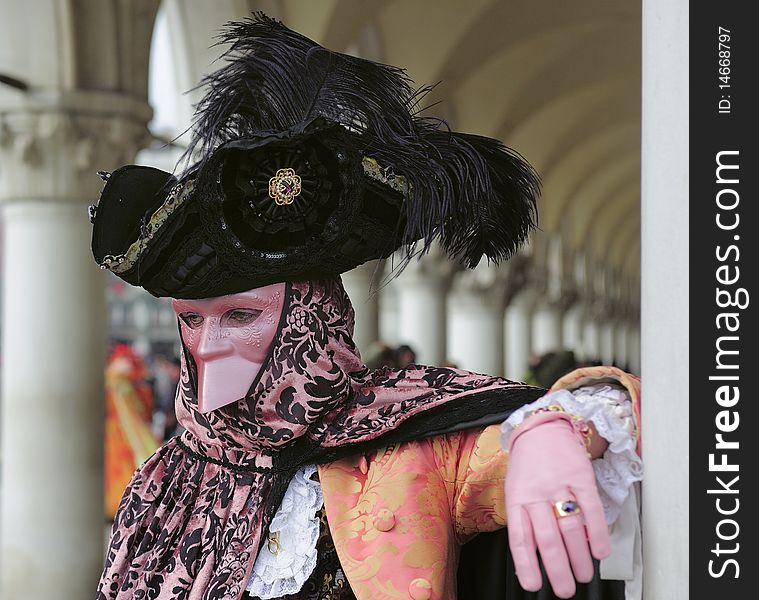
474, 410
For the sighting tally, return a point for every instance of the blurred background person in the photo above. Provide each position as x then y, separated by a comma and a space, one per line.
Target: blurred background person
165, 379
549, 367
129, 439
404, 356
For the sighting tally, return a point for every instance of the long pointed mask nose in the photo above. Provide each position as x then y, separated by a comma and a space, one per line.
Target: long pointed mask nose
230, 338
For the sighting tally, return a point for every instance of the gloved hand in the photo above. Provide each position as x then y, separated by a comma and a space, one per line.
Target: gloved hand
548, 463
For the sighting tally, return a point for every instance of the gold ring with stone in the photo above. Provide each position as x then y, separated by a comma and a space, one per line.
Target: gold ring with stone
566, 508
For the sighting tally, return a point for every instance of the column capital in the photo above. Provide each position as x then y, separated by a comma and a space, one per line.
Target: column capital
499, 284
495, 285
52, 144
525, 298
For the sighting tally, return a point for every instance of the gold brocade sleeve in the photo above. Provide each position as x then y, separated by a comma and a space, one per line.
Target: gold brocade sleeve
473, 467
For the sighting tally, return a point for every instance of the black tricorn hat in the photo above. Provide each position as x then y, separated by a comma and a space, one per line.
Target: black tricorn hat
309, 163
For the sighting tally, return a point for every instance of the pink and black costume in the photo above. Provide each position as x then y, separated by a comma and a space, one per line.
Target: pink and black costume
307, 163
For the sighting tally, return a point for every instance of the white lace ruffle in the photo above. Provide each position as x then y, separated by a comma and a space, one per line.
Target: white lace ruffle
276, 575
609, 408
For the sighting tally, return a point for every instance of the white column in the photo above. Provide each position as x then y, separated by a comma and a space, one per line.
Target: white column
422, 291
53, 340
572, 330
52, 390
546, 328
633, 348
361, 284
664, 309
620, 343
475, 330
592, 339
389, 315
607, 330
518, 333
141, 323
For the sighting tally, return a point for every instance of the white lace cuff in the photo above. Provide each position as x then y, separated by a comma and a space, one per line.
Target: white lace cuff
297, 522
609, 408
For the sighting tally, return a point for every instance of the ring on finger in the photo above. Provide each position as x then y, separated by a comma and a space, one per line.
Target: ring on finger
566, 508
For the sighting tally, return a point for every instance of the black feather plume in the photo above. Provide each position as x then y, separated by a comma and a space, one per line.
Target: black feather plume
472, 193
494, 208
276, 78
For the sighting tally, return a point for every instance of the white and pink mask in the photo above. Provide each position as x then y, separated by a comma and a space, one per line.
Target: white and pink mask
229, 337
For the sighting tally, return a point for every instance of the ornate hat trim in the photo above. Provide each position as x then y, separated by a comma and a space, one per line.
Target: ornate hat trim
124, 262
179, 193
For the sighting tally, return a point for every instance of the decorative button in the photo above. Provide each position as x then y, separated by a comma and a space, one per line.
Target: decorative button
384, 520
285, 186
420, 589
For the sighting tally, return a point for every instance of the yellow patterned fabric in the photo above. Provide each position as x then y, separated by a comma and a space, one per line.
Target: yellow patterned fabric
399, 515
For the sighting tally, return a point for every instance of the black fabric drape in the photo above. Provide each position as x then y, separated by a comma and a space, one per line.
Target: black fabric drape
486, 572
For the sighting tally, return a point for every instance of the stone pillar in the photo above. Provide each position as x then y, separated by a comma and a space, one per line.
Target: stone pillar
552, 279
572, 330
53, 338
608, 341
140, 319
475, 321
664, 308
546, 328
633, 348
361, 284
518, 333
620, 343
422, 289
592, 339
389, 317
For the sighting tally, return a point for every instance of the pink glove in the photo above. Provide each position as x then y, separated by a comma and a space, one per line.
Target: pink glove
548, 463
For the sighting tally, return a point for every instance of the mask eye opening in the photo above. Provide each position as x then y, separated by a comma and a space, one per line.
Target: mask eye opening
240, 317
192, 319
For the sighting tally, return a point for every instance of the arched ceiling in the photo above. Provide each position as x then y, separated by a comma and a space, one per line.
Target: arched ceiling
608, 186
